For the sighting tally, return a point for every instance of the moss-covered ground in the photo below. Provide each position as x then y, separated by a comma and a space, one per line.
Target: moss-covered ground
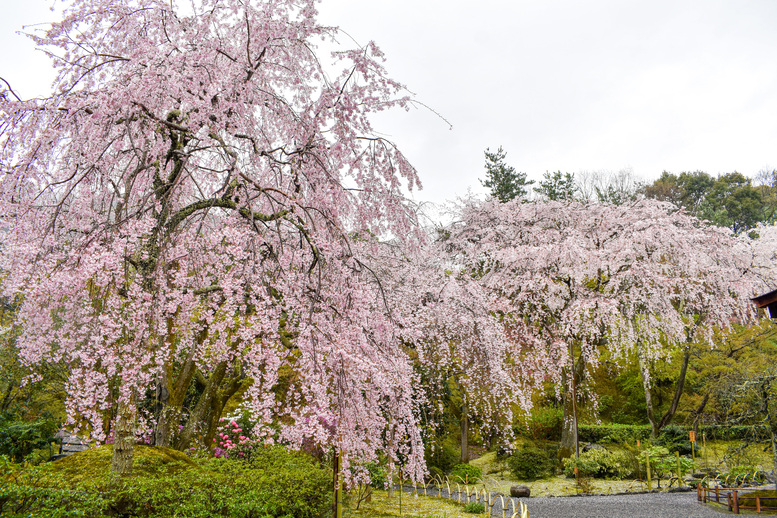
95, 464
411, 506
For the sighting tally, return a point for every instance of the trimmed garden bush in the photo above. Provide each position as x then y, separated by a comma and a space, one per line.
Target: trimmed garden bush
273, 483
613, 433
530, 462
600, 463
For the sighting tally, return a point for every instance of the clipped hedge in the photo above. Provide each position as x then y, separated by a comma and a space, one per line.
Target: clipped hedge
733, 433
274, 483
613, 433
673, 435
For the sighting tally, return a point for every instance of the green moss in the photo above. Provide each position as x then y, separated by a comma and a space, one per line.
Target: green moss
94, 465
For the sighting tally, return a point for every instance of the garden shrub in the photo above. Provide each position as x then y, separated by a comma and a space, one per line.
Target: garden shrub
18, 439
443, 455
675, 438
531, 462
274, 483
600, 463
378, 476
585, 467
664, 462
27, 491
466, 473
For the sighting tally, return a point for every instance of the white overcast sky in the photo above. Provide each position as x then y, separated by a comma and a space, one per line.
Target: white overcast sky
564, 85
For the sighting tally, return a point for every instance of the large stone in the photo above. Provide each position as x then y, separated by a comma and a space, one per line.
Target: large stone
520, 491
589, 447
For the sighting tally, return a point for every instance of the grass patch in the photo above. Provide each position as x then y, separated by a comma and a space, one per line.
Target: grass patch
413, 506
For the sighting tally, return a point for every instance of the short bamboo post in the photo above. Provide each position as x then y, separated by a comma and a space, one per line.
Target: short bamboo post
736, 502
679, 469
717, 494
757, 504
704, 445
639, 469
647, 467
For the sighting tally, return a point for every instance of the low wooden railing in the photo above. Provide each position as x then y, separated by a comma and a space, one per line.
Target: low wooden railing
733, 498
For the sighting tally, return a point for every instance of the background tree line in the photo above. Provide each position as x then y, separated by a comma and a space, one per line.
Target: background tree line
730, 200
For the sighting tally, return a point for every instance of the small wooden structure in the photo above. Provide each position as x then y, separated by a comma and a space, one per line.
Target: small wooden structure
69, 444
767, 301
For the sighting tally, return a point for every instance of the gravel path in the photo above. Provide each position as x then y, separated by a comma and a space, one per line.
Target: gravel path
650, 505
644, 505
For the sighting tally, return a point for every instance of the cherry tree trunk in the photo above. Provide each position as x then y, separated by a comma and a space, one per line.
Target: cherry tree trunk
124, 439
200, 416
464, 435
568, 445
656, 425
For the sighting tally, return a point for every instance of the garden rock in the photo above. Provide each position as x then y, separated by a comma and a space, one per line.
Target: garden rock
520, 491
589, 447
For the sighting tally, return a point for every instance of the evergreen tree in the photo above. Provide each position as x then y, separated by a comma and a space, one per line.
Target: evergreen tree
504, 182
557, 186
